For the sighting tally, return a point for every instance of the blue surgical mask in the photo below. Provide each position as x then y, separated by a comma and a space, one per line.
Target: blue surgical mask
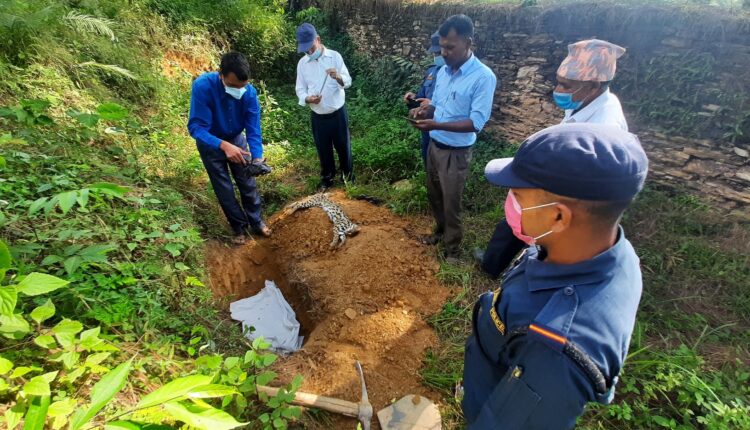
235, 92
315, 55
565, 100
439, 61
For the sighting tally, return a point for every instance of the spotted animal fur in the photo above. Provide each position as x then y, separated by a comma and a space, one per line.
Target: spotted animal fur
342, 225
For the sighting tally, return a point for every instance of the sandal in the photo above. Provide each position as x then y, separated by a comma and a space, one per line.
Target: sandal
239, 239
263, 230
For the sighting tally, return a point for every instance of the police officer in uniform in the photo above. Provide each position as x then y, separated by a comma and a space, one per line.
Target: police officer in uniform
424, 95
582, 91
556, 334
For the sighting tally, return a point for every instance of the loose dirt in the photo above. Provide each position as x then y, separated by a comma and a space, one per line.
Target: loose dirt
177, 62
366, 301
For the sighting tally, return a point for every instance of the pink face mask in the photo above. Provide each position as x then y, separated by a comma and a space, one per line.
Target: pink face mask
513, 215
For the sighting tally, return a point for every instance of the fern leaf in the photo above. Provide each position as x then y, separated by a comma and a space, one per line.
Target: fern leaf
110, 68
90, 24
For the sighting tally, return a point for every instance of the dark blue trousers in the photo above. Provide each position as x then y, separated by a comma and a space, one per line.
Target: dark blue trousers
425, 145
218, 168
331, 132
501, 250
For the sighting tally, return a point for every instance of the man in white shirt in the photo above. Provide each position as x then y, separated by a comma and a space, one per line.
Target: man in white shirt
583, 84
582, 91
322, 78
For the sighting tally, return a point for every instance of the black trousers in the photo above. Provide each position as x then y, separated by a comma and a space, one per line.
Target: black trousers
501, 250
218, 168
331, 132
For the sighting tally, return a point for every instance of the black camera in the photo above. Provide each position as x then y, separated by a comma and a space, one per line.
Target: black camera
258, 169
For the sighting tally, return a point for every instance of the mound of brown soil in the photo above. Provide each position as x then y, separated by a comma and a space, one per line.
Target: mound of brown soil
366, 301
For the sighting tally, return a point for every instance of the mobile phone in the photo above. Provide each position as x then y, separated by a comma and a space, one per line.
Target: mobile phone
413, 103
412, 120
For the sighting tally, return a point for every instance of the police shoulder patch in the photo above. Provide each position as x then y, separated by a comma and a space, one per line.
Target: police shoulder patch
499, 324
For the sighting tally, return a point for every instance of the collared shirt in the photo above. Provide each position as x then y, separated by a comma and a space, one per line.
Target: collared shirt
217, 116
605, 109
525, 381
461, 94
312, 81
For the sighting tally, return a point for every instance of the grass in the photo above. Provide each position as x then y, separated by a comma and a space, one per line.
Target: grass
689, 359
733, 5
693, 330
689, 365
76, 109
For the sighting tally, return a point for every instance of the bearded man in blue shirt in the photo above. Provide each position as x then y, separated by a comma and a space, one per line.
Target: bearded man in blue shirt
223, 105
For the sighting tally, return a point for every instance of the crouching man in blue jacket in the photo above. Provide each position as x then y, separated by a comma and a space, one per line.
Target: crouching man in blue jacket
223, 104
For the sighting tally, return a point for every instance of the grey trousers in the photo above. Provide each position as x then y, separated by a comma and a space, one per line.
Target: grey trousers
447, 171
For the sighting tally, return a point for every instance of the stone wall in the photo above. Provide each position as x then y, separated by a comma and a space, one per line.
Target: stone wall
683, 82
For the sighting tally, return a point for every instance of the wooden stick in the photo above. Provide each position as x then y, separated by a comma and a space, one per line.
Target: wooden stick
330, 404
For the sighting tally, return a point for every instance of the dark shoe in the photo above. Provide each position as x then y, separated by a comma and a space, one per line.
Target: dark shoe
432, 239
258, 168
262, 230
478, 256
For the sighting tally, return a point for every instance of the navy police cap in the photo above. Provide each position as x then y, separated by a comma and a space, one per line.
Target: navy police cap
434, 43
578, 160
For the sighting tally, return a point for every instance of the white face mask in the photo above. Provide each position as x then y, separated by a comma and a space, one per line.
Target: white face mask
235, 92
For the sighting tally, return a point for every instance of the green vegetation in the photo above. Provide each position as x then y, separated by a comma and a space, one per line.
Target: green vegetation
689, 363
104, 207
731, 5
103, 316
688, 366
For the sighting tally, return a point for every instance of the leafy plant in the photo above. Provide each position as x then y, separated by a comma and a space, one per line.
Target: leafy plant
67, 200
71, 352
256, 28
133, 314
90, 24
29, 112
692, 399
111, 69
20, 23
75, 255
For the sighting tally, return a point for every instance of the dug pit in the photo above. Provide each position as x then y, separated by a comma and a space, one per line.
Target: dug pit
367, 301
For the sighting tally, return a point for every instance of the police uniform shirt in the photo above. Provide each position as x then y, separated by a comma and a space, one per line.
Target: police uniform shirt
428, 82
516, 375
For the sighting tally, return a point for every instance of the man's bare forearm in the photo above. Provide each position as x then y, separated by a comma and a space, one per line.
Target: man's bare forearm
463, 126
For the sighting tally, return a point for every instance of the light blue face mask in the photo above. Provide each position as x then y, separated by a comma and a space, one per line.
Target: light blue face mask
235, 92
565, 100
439, 61
315, 55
